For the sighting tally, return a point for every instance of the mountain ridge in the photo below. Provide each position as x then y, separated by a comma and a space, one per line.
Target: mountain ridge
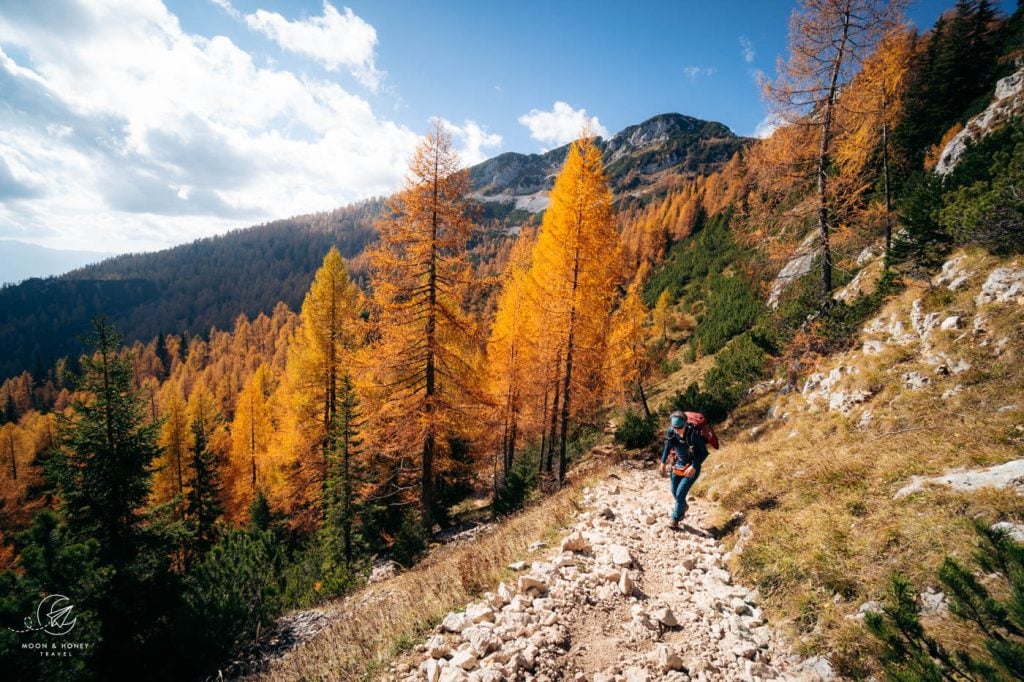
14, 254
657, 144
195, 286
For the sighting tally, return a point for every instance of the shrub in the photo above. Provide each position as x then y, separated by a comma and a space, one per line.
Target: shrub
990, 211
318, 571
636, 431
410, 541
921, 239
709, 250
732, 307
512, 494
909, 653
736, 368
233, 591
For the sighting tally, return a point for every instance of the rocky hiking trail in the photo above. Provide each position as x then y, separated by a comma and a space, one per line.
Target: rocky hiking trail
623, 597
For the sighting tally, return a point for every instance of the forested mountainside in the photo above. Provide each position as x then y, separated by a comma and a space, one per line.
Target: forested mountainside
209, 282
844, 310
188, 288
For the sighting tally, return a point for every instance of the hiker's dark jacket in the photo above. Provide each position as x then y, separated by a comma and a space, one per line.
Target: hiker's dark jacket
681, 445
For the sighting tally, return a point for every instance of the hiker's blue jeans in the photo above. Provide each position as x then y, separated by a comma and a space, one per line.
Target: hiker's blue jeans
680, 488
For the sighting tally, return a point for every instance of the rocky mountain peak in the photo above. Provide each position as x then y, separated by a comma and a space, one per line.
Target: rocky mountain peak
634, 157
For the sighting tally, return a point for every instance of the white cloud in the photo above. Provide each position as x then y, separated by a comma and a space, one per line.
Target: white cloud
228, 7
692, 72
335, 40
767, 125
561, 125
747, 49
135, 135
473, 139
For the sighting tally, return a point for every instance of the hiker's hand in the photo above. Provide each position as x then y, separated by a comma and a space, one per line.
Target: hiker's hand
663, 470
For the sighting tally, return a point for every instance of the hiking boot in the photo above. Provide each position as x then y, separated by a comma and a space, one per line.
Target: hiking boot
673, 523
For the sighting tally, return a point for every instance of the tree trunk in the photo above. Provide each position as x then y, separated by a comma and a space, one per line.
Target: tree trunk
554, 414
824, 150
566, 386
427, 473
643, 400
14, 461
346, 481
512, 442
887, 260
330, 396
543, 431
252, 438
570, 339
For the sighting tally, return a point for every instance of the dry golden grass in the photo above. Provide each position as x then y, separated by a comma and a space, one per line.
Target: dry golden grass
377, 623
817, 489
688, 372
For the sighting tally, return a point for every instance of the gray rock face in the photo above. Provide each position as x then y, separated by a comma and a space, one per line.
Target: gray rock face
915, 381
1007, 102
1008, 475
1003, 285
1014, 530
797, 267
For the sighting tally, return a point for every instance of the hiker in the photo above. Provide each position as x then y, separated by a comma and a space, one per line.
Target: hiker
687, 449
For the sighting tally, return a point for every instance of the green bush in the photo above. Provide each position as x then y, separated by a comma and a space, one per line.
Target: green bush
410, 541
636, 431
921, 239
708, 251
512, 493
994, 610
836, 325
988, 211
233, 591
317, 571
736, 368
669, 366
732, 307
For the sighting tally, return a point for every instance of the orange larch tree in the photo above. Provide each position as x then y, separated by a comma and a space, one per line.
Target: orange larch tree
874, 104
424, 358
630, 363
318, 370
828, 40
574, 266
251, 432
175, 441
507, 352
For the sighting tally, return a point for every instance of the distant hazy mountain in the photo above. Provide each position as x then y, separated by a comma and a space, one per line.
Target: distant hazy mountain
20, 260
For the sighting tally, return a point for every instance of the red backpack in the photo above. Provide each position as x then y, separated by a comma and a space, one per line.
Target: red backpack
700, 422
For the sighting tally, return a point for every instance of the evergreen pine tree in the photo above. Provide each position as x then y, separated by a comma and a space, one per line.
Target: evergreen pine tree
102, 473
260, 516
339, 504
203, 506
10, 413
164, 356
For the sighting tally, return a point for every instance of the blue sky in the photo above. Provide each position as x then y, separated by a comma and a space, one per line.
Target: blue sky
138, 124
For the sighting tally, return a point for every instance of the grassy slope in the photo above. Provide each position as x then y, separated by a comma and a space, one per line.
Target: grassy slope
817, 488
